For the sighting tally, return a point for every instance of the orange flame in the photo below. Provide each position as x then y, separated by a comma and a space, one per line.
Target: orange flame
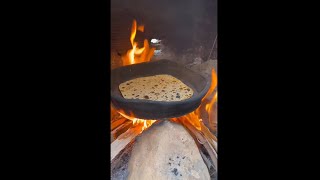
136, 54
194, 117
214, 82
208, 107
136, 121
144, 54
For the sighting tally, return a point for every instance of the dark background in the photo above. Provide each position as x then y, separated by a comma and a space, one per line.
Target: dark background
184, 24
59, 76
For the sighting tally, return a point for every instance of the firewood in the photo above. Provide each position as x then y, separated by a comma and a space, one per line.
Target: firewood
123, 140
117, 123
212, 139
211, 168
201, 139
121, 129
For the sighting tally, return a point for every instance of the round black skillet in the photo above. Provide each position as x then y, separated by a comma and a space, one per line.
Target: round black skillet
147, 109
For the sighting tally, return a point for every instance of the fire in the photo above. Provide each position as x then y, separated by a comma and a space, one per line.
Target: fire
144, 54
194, 117
136, 54
214, 82
138, 122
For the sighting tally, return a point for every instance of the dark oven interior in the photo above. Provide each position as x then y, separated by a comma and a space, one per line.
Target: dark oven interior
187, 28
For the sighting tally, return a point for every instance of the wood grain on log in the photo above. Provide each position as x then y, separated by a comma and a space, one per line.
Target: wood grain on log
212, 139
123, 140
120, 129
115, 124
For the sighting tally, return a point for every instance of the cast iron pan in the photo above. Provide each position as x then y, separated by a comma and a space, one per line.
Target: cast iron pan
147, 109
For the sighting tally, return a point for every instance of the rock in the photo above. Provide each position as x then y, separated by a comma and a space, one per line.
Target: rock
166, 151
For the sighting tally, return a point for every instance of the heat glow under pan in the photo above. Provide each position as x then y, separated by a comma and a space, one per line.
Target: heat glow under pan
157, 110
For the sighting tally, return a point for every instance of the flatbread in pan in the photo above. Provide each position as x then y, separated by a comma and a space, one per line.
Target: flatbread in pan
160, 87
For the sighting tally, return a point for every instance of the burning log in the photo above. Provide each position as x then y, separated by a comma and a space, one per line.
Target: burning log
212, 139
123, 126
123, 140
117, 123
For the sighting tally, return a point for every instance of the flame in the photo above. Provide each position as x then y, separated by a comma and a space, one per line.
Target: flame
208, 106
194, 117
144, 54
214, 82
136, 121
213, 100
136, 54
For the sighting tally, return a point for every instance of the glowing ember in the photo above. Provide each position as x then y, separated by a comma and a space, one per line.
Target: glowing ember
136, 54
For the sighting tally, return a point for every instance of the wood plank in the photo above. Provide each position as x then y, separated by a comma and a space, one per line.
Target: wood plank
123, 140
117, 123
201, 139
212, 139
121, 129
